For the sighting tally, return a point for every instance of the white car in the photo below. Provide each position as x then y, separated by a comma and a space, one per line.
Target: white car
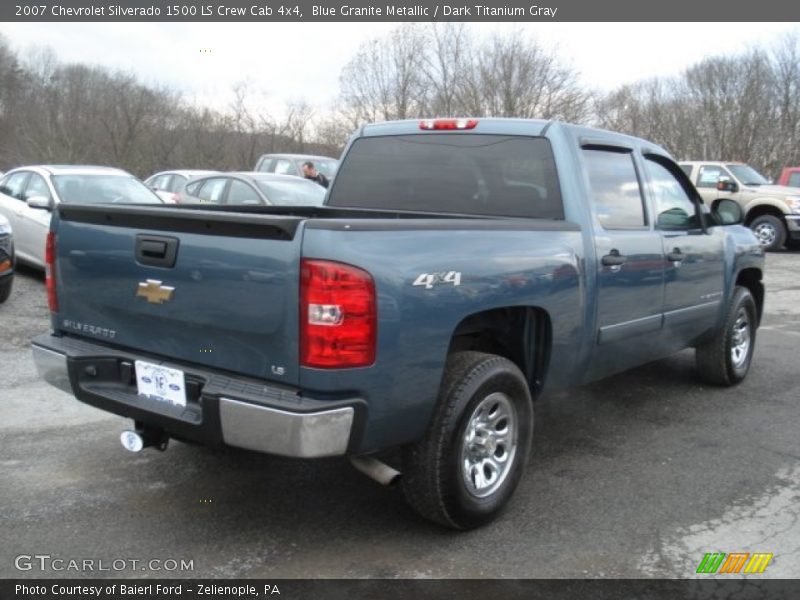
28, 196
168, 184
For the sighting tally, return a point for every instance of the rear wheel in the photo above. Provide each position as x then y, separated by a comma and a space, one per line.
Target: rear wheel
467, 467
770, 231
5, 288
725, 359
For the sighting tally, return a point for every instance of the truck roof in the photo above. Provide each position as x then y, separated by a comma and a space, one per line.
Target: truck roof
720, 163
507, 126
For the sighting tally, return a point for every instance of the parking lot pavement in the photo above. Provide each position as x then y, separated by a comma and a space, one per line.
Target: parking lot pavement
638, 475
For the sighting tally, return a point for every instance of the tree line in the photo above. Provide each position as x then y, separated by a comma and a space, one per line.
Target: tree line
740, 107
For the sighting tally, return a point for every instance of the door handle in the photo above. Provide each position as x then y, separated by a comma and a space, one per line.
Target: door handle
613, 259
676, 255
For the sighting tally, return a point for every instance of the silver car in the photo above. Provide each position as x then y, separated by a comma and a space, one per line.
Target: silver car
168, 184
29, 194
254, 189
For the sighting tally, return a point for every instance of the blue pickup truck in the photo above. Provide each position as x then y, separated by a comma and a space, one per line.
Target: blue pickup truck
459, 268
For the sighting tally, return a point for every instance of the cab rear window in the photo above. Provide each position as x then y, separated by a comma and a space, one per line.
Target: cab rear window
474, 174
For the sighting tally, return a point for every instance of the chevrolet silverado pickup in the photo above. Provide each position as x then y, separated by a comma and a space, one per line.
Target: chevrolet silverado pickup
458, 269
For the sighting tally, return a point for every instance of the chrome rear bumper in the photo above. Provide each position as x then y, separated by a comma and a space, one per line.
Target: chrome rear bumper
245, 424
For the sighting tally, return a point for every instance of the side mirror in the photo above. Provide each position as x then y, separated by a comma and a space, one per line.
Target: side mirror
39, 202
726, 185
727, 212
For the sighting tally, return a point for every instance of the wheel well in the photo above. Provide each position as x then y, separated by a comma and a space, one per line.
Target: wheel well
764, 209
751, 279
521, 334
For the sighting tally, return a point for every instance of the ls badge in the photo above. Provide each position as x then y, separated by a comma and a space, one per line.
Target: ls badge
154, 292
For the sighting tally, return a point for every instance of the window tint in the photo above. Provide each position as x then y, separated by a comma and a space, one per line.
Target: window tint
674, 208
13, 184
212, 190
193, 187
37, 186
464, 173
242, 193
794, 180
284, 167
615, 189
709, 175
176, 183
159, 183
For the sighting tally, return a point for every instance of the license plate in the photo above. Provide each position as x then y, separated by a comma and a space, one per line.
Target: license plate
160, 382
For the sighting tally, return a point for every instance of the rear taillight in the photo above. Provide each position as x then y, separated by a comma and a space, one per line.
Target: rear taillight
50, 271
447, 124
337, 315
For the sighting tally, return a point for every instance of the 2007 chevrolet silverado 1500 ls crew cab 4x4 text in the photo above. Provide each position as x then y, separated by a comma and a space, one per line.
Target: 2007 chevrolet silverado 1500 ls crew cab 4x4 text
458, 269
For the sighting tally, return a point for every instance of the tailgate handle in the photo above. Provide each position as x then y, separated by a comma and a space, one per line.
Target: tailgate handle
156, 250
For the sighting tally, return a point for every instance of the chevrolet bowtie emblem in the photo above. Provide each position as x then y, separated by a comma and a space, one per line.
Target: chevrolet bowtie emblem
154, 292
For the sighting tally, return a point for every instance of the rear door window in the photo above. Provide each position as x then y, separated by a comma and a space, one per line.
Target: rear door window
475, 174
615, 189
13, 184
212, 190
242, 193
794, 179
176, 183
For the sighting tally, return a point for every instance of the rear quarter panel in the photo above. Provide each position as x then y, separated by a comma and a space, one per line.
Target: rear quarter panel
499, 268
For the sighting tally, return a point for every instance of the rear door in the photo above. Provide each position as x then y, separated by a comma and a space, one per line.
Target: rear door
630, 262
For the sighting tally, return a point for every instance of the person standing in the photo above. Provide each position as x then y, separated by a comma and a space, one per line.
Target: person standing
310, 172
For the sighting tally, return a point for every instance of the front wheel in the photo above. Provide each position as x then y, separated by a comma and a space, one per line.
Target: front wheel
770, 232
465, 470
725, 358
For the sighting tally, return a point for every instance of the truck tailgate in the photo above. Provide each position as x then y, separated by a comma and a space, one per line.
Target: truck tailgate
228, 298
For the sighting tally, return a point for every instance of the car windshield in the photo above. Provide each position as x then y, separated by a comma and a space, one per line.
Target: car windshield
98, 189
292, 192
747, 175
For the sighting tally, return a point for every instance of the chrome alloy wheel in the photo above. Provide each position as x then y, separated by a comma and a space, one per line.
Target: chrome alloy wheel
765, 233
740, 338
489, 445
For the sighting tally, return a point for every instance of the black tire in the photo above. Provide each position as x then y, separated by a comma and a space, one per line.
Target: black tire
793, 244
770, 231
435, 469
716, 360
5, 288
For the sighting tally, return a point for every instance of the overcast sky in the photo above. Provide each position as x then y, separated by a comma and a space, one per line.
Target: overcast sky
302, 61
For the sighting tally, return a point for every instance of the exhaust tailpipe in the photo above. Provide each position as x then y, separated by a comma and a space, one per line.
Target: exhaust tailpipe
136, 441
375, 469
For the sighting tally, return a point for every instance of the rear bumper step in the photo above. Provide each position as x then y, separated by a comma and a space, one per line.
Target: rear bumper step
223, 410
